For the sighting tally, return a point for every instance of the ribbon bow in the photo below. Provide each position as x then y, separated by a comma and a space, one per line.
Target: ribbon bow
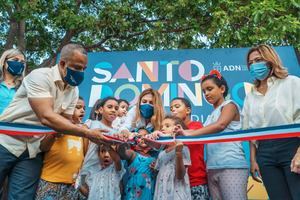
213, 72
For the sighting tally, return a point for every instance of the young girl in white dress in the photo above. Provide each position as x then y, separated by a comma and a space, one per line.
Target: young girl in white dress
172, 181
103, 182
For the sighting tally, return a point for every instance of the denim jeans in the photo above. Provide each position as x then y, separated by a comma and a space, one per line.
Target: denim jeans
274, 160
23, 174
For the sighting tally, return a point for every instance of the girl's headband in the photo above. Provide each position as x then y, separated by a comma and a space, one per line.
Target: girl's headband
213, 72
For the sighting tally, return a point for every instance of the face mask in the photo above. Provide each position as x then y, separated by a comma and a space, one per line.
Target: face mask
15, 68
146, 110
259, 70
74, 77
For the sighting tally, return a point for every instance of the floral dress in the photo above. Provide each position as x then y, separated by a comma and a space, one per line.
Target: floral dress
141, 180
167, 186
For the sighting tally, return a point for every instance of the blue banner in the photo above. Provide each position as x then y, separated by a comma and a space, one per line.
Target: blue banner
175, 73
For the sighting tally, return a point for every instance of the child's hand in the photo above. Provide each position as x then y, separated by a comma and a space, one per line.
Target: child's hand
152, 165
112, 152
179, 146
178, 130
154, 136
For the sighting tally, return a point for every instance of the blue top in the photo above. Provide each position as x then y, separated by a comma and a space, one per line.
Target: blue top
6, 95
226, 154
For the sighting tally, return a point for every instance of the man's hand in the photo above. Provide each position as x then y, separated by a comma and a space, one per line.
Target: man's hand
295, 164
96, 136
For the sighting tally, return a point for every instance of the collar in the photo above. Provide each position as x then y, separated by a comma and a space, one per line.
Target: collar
270, 82
58, 80
4, 84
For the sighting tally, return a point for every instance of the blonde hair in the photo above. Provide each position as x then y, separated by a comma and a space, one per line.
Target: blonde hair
271, 57
158, 112
7, 55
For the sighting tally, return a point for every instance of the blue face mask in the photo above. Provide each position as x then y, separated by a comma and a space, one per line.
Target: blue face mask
74, 77
146, 110
15, 68
259, 70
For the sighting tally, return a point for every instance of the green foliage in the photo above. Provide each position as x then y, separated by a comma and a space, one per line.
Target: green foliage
110, 25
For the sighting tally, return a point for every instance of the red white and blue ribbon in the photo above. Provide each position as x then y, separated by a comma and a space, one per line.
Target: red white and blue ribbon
275, 132
284, 131
15, 129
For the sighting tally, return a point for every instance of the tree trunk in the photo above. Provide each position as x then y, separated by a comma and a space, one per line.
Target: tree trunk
21, 35
13, 29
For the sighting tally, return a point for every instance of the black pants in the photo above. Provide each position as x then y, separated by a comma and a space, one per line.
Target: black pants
274, 159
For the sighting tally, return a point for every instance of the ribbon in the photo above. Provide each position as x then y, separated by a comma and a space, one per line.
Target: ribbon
275, 132
16, 129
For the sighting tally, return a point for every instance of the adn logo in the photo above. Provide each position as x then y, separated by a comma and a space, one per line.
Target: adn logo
217, 65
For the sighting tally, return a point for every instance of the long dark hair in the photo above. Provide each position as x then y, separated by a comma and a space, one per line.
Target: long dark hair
219, 81
93, 114
102, 103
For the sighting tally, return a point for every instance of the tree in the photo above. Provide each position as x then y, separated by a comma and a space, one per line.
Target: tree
41, 28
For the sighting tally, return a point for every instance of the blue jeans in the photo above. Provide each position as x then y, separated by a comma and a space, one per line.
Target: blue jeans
274, 160
23, 174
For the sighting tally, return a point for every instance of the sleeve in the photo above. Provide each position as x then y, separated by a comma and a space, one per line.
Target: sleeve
186, 156
89, 179
71, 107
38, 85
127, 125
245, 114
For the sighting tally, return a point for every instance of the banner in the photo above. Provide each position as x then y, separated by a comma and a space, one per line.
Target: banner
175, 73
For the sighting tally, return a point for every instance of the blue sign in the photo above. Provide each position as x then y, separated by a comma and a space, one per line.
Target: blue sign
175, 73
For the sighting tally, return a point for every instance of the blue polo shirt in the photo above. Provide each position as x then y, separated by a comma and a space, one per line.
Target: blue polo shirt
6, 95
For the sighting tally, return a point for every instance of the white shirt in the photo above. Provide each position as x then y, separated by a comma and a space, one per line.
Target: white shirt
119, 122
40, 83
279, 106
